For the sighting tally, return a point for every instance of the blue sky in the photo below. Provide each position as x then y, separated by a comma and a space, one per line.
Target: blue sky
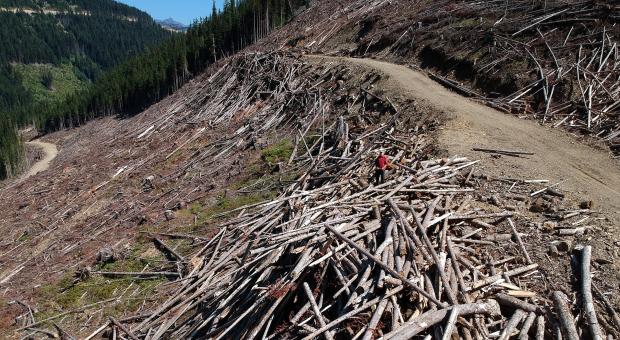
184, 11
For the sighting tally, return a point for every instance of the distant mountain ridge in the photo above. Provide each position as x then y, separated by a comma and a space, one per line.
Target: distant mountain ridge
99, 7
172, 24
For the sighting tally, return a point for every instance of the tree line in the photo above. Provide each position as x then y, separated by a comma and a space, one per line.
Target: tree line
158, 72
12, 95
145, 79
93, 44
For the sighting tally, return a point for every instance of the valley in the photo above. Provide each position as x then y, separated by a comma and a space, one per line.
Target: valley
55, 49
192, 193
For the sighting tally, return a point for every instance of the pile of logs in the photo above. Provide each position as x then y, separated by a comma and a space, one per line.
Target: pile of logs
338, 256
575, 56
235, 111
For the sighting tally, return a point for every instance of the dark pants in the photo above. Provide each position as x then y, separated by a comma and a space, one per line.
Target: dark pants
379, 176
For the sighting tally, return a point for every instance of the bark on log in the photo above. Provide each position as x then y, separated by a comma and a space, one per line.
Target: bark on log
413, 327
123, 328
316, 310
524, 334
586, 291
512, 324
454, 314
507, 300
566, 317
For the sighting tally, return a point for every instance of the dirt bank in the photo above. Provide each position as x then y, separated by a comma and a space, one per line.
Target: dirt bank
50, 151
588, 172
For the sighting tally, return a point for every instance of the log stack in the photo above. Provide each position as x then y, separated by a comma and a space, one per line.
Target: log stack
338, 256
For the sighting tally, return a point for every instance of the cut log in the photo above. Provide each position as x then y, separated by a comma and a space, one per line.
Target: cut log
418, 324
564, 315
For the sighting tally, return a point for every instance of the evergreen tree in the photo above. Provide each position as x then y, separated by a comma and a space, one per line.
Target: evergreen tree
47, 79
157, 72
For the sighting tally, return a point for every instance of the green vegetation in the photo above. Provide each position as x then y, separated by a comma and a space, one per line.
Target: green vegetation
23, 237
258, 175
469, 22
11, 149
207, 215
12, 94
47, 79
75, 47
93, 7
104, 36
65, 295
225, 204
48, 83
142, 80
146, 79
279, 152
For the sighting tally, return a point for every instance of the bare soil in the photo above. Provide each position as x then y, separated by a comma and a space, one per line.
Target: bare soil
587, 171
50, 151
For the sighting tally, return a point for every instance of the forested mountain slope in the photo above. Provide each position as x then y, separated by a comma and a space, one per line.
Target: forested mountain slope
133, 86
145, 79
53, 48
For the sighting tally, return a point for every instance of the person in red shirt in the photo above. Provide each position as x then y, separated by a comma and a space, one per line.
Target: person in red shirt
381, 164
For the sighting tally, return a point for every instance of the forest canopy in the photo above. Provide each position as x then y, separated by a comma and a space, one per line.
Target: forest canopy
145, 79
60, 34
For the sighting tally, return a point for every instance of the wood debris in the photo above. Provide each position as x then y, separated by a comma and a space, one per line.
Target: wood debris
332, 257
336, 255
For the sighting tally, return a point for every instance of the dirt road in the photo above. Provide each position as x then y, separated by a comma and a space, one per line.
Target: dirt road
49, 150
588, 172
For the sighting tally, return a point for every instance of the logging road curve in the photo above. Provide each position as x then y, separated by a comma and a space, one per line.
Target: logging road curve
589, 172
50, 151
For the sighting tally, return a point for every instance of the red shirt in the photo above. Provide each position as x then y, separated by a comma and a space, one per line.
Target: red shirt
382, 162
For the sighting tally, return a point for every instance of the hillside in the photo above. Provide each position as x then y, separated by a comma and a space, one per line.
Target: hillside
154, 74
242, 202
52, 49
93, 35
552, 61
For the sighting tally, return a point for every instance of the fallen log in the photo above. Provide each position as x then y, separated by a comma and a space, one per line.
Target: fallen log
515, 319
507, 300
566, 318
385, 267
123, 328
413, 327
586, 293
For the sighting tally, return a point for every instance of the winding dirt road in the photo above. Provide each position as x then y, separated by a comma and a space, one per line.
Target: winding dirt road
50, 152
587, 172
